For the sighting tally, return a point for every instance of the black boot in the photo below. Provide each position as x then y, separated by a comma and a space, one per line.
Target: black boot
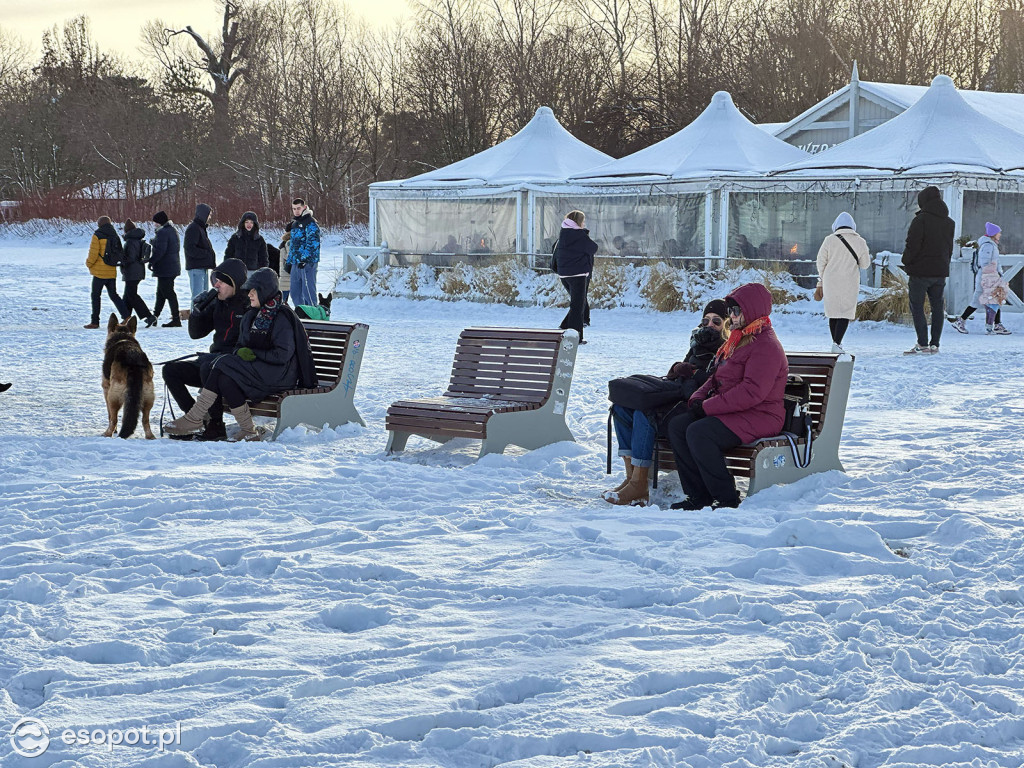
175, 323
5, 387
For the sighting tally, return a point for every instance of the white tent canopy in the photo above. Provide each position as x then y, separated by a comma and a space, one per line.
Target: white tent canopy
542, 152
941, 131
721, 141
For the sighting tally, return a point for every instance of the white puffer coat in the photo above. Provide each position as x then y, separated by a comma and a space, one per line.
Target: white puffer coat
840, 273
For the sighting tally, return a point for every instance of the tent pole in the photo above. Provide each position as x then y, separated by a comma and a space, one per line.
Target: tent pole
723, 228
709, 228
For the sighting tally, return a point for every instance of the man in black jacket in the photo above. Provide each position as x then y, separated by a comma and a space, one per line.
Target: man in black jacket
165, 264
199, 254
926, 262
220, 311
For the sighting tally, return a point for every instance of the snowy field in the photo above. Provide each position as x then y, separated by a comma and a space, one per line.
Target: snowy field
313, 602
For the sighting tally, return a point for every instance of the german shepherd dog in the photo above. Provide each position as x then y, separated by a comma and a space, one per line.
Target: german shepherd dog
127, 379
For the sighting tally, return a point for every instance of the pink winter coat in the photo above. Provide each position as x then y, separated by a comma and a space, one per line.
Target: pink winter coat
745, 391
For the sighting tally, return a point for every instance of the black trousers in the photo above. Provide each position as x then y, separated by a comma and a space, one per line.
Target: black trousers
699, 446
933, 288
577, 289
838, 326
165, 292
132, 299
586, 302
98, 284
230, 393
179, 377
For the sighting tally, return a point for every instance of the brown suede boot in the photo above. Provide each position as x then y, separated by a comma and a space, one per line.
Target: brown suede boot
193, 420
636, 492
624, 483
247, 430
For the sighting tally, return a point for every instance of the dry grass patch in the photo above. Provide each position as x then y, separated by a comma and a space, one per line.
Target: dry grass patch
607, 286
457, 282
661, 291
890, 303
500, 282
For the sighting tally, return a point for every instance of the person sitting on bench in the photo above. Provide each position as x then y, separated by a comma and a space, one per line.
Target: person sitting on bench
272, 355
636, 430
741, 402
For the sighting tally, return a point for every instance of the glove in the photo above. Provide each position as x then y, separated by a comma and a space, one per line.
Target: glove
204, 300
246, 354
697, 410
301, 265
680, 371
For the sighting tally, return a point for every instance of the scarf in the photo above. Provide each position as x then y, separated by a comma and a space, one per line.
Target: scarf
259, 334
570, 224
737, 334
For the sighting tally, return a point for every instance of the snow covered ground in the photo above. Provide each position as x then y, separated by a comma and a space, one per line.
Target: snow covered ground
313, 602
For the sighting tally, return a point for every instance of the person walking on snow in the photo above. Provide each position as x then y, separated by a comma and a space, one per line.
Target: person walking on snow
200, 257
988, 254
842, 256
105, 252
926, 261
303, 253
133, 271
165, 264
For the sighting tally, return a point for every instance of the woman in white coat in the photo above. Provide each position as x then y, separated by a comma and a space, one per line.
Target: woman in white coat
842, 256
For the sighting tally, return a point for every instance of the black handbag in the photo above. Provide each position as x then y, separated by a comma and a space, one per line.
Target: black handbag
643, 392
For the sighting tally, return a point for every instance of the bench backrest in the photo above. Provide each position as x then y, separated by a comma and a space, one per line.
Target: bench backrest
505, 363
816, 370
330, 343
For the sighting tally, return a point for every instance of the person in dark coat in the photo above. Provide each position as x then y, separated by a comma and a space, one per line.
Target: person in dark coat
273, 355
740, 402
133, 271
200, 257
635, 430
574, 261
218, 311
165, 264
104, 241
926, 261
247, 244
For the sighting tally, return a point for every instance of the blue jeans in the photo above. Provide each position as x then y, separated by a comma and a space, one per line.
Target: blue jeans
636, 435
303, 287
198, 281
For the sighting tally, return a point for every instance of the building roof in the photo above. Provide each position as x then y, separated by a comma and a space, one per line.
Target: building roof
721, 141
542, 152
939, 132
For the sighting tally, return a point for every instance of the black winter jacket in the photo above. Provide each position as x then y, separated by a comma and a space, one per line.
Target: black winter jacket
199, 253
929, 238
222, 318
132, 266
248, 245
166, 258
574, 254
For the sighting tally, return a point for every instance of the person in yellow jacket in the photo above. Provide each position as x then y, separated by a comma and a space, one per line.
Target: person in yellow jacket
104, 275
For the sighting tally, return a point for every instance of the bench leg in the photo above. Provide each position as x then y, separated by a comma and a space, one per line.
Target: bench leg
775, 466
396, 441
527, 429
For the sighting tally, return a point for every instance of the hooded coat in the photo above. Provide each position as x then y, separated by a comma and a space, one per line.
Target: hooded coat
745, 391
199, 253
132, 266
304, 239
574, 253
839, 271
221, 318
166, 258
930, 237
286, 364
248, 245
104, 237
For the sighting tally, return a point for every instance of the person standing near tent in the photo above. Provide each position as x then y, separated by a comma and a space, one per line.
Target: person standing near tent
574, 262
988, 254
303, 253
842, 256
926, 261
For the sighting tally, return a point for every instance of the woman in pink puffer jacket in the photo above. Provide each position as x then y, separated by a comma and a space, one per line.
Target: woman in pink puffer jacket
739, 403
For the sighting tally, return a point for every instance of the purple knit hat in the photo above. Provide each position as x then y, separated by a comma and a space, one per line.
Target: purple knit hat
992, 229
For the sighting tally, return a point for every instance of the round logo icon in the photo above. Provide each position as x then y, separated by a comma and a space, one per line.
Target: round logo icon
30, 737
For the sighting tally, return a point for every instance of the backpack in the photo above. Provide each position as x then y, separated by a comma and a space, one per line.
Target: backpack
797, 421
643, 392
145, 252
112, 256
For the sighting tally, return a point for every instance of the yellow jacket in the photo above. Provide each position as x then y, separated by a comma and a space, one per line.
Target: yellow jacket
95, 263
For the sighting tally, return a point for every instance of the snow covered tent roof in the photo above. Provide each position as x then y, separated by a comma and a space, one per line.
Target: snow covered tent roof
542, 152
720, 141
940, 131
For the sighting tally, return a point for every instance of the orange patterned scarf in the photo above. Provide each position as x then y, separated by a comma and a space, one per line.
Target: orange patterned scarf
736, 335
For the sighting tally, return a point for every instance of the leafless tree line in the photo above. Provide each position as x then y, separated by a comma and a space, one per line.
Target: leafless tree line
299, 97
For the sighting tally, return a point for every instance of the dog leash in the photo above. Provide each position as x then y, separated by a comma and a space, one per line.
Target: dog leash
167, 400
178, 360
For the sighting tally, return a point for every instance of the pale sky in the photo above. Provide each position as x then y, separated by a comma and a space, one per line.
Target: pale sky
117, 24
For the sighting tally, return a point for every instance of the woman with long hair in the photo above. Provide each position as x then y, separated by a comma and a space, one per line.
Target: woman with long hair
574, 261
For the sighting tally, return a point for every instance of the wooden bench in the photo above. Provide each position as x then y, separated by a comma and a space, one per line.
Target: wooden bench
337, 354
508, 386
769, 461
